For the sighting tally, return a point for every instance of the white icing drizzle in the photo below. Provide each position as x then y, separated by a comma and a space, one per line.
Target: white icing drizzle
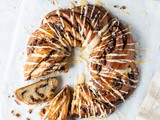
42, 30
77, 95
106, 100
57, 55
35, 72
87, 101
103, 30
119, 60
128, 44
103, 98
87, 38
69, 38
98, 82
60, 104
38, 55
79, 108
112, 22
123, 91
31, 63
127, 50
92, 11
84, 19
93, 43
104, 16
48, 47
81, 12
98, 48
45, 116
122, 73
93, 108
94, 71
40, 47
116, 91
123, 34
58, 13
116, 55
94, 87
51, 112
44, 63
94, 19
63, 42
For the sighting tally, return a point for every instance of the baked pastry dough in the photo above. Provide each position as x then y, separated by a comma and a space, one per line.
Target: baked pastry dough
57, 109
38, 92
111, 49
86, 104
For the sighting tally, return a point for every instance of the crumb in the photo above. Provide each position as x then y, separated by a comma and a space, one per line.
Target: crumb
82, 2
12, 96
12, 111
17, 102
71, 5
9, 96
98, 3
75, 1
17, 115
123, 7
124, 12
116, 6
30, 111
53, 3
27, 119
130, 26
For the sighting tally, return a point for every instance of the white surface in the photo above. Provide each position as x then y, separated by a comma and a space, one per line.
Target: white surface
142, 15
9, 11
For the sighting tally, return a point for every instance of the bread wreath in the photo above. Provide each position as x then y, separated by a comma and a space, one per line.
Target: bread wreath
112, 56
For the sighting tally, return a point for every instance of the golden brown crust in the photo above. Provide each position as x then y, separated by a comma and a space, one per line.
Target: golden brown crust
57, 109
38, 92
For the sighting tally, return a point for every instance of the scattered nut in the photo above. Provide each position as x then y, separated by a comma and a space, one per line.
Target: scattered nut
17, 115
116, 6
123, 7
30, 111
18, 103
12, 111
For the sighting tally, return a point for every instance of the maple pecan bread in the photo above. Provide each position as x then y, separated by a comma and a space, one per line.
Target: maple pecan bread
57, 109
113, 71
38, 92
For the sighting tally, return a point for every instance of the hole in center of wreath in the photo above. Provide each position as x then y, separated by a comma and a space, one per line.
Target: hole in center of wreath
79, 65
78, 69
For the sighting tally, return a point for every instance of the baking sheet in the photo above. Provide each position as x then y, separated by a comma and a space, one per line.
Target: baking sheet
140, 15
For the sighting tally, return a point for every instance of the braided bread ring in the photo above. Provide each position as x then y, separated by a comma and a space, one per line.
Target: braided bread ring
112, 56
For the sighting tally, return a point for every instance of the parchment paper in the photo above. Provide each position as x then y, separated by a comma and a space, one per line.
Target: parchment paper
140, 15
